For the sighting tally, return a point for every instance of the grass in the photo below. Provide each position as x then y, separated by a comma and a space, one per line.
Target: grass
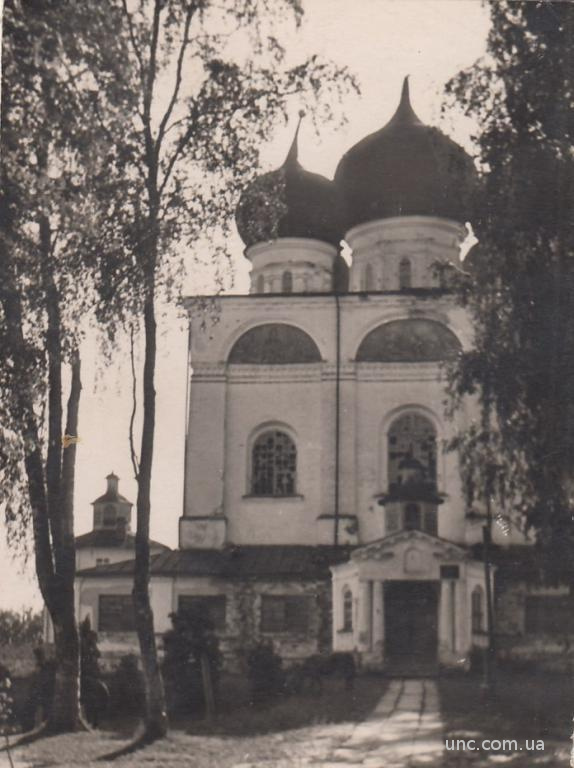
277, 735
284, 733
524, 706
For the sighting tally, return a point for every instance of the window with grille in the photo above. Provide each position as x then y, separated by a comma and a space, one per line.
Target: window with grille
212, 607
477, 608
411, 517
412, 436
274, 465
116, 614
549, 614
347, 610
284, 613
405, 275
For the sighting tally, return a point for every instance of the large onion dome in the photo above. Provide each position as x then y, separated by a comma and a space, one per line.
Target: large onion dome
289, 202
405, 169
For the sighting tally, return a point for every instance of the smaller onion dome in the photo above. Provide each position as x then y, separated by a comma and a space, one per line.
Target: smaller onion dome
406, 169
289, 202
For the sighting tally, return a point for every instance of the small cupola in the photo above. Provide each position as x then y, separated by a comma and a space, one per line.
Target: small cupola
112, 511
288, 219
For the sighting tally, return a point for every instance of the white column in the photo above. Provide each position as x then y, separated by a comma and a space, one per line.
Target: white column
444, 632
364, 616
378, 618
335, 612
463, 633
453, 615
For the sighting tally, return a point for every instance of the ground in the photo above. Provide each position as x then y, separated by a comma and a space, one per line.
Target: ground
385, 723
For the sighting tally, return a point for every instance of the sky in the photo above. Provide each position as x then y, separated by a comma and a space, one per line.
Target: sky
380, 41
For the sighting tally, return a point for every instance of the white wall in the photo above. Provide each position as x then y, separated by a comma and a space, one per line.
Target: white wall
229, 403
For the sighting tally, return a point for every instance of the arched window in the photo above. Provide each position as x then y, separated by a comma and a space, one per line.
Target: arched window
274, 344
260, 286
274, 465
415, 340
347, 610
412, 451
405, 277
477, 605
287, 282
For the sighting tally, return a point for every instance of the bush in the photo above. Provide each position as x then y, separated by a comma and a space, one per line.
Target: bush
191, 639
19, 628
265, 673
6, 702
127, 694
41, 692
94, 694
89, 652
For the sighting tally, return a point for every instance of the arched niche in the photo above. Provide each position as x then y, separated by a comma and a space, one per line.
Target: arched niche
408, 341
274, 344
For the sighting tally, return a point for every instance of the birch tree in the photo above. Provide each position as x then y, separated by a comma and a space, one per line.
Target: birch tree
212, 80
55, 159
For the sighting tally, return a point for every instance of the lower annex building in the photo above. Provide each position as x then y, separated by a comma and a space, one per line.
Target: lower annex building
322, 510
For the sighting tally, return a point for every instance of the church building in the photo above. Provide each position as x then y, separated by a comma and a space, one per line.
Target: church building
322, 509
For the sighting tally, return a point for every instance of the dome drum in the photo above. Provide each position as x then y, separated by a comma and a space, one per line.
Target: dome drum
382, 248
292, 265
400, 198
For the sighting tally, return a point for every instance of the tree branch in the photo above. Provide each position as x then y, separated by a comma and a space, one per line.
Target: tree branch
178, 78
148, 84
134, 41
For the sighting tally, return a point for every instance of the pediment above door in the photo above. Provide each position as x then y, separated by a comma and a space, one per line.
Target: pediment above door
410, 554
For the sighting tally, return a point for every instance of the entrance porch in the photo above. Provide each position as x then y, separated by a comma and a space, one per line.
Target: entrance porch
407, 603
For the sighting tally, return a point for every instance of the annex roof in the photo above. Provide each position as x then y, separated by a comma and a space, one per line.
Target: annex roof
241, 562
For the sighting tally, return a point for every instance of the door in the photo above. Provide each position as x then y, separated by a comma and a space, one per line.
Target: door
411, 620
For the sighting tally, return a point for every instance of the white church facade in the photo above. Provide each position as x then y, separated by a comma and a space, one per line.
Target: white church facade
322, 508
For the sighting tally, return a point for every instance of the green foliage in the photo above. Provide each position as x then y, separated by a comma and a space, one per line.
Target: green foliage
191, 638
211, 82
265, 673
126, 687
6, 702
519, 282
89, 652
57, 144
42, 692
20, 628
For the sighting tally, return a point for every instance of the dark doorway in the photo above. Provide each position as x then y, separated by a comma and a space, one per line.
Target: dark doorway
411, 622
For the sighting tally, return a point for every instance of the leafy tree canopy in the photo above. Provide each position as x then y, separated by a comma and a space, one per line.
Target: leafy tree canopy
519, 285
